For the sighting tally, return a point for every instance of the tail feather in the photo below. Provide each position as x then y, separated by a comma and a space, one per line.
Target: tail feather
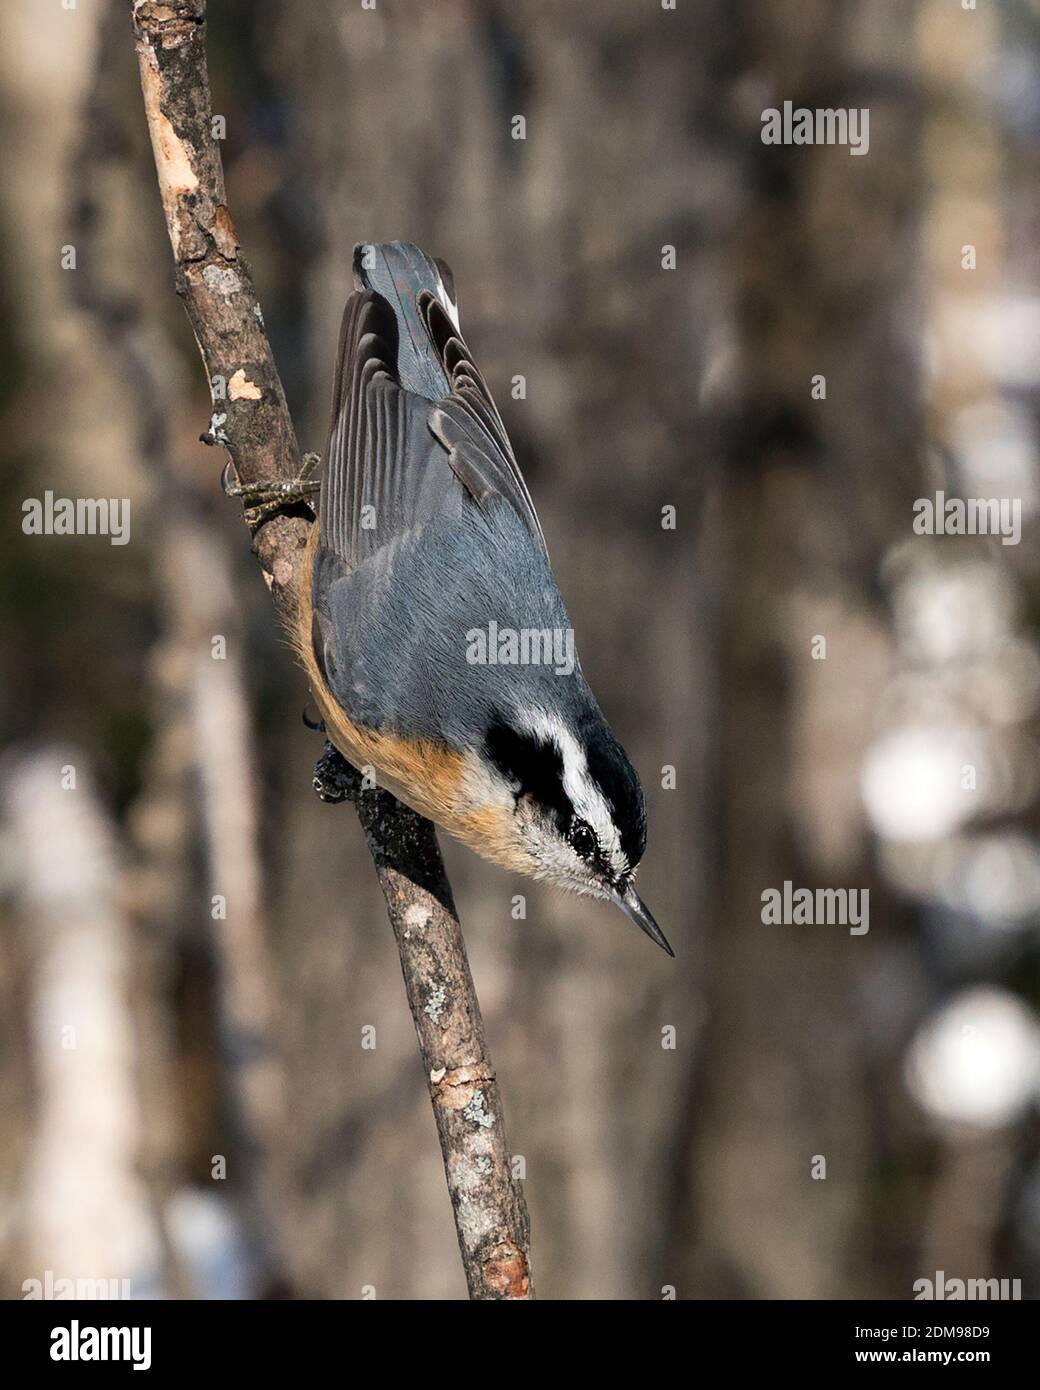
399, 271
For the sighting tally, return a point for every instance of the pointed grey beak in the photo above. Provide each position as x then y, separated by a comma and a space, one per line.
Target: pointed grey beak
635, 910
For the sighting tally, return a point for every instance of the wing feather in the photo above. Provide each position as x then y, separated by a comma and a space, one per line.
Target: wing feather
469, 426
397, 451
380, 452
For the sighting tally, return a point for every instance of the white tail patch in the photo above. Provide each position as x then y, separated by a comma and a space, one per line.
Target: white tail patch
449, 305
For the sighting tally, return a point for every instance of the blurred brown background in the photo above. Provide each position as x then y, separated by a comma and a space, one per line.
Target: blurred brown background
142, 1036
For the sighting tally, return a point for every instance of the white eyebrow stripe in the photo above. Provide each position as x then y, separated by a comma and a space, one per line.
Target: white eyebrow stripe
585, 796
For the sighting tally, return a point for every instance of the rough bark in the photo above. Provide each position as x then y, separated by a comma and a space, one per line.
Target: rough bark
251, 420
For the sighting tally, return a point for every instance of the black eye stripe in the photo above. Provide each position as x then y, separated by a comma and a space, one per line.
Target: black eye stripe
537, 768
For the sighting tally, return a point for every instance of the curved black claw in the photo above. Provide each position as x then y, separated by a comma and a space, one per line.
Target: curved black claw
318, 726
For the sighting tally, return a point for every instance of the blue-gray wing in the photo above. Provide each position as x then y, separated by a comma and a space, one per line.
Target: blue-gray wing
417, 499
383, 472
468, 424
393, 454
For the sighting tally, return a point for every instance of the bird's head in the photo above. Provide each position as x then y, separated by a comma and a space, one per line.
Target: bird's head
576, 805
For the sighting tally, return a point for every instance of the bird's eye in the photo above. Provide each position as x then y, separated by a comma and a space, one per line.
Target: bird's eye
582, 839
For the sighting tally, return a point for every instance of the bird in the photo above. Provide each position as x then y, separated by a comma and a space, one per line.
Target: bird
427, 617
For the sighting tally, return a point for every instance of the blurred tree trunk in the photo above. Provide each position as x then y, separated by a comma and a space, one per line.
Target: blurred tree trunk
822, 265
84, 1211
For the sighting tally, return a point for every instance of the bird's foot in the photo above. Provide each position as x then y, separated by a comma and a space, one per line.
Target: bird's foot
334, 778
261, 501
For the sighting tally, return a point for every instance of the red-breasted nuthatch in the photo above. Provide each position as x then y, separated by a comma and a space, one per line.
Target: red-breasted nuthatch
437, 644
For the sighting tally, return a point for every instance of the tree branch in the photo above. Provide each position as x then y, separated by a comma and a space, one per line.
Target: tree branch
254, 425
